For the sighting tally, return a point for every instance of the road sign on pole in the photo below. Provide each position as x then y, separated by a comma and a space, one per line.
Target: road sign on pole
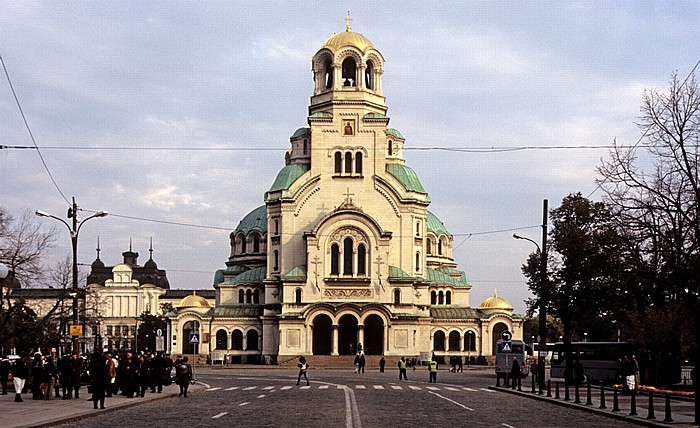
507, 347
194, 338
506, 335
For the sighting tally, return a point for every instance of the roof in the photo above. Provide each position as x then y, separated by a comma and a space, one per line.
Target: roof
394, 133
496, 302
193, 301
301, 131
436, 226
348, 38
287, 176
398, 273
254, 220
437, 277
406, 176
452, 271
252, 276
454, 313
297, 272
238, 311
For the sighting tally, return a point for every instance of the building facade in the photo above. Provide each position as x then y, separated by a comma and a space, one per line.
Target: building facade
345, 251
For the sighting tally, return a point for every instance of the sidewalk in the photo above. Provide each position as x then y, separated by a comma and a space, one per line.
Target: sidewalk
42, 413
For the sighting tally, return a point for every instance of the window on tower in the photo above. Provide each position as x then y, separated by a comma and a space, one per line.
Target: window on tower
348, 163
349, 72
369, 75
335, 262
347, 256
358, 163
361, 260
338, 162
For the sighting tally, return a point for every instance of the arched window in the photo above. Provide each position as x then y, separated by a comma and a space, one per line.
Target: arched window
249, 296
349, 72
348, 162
429, 246
440, 247
361, 260
369, 76
275, 260
328, 71
417, 262
433, 298
417, 228
256, 244
297, 296
453, 341
470, 341
256, 296
358, 163
441, 298
448, 297
221, 338
347, 256
237, 340
397, 296
338, 163
241, 296
252, 339
439, 341
335, 259
306, 144
389, 149
277, 227
243, 244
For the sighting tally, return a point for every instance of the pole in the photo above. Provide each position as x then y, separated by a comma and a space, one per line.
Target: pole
543, 297
74, 242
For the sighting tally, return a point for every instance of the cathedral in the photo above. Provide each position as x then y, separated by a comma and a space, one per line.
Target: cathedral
344, 254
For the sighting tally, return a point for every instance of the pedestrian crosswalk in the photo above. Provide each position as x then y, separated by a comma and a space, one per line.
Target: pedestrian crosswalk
358, 387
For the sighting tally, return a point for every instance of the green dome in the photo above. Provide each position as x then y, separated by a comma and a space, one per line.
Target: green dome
406, 176
394, 133
301, 131
255, 220
287, 176
436, 226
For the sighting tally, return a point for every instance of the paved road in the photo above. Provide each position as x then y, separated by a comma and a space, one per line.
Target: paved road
270, 398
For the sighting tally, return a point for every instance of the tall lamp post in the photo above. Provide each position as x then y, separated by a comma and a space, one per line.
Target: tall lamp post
542, 339
74, 229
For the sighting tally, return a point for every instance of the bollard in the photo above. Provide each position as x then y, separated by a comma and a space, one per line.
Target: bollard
633, 405
549, 388
589, 402
519, 388
506, 384
498, 381
566, 391
616, 407
668, 417
577, 396
556, 392
651, 414
532, 378
602, 398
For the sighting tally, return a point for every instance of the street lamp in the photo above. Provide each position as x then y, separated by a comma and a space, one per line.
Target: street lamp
74, 230
542, 251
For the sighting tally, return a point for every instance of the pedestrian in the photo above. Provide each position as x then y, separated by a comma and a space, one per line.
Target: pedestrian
20, 372
111, 373
51, 374
414, 363
460, 368
158, 375
183, 373
37, 376
402, 368
5, 368
76, 371
382, 363
579, 376
432, 369
303, 367
534, 370
359, 347
362, 363
99, 375
515, 372
356, 363
64, 377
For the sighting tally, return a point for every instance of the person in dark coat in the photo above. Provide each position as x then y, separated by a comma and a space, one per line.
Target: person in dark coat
38, 376
515, 372
20, 373
382, 363
64, 376
99, 375
183, 375
76, 370
5, 367
158, 363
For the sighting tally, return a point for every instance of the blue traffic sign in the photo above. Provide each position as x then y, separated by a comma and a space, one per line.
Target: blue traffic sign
194, 338
506, 335
507, 347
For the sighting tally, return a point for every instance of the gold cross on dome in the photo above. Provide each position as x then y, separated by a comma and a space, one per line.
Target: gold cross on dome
347, 20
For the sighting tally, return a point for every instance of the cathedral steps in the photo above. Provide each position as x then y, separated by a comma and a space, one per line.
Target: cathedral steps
336, 361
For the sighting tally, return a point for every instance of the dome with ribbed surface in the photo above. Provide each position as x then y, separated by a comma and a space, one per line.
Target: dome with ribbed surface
496, 302
347, 38
194, 301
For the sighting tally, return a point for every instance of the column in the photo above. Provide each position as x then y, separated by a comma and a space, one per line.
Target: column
334, 345
361, 335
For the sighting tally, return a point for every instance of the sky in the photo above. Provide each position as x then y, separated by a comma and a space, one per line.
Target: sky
175, 116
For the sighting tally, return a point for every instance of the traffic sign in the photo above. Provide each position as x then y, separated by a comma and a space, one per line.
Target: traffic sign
507, 347
76, 330
506, 335
159, 332
194, 338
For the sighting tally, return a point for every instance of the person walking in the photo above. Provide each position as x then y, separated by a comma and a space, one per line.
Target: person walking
64, 377
303, 367
76, 371
432, 369
99, 375
5, 368
51, 374
183, 374
20, 372
515, 373
362, 363
37, 376
402, 368
356, 363
382, 363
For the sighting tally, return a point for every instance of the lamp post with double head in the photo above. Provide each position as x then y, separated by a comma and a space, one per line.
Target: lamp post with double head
74, 229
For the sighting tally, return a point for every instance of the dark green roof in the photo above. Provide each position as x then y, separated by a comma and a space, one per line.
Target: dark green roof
398, 273
451, 271
454, 313
436, 226
406, 176
287, 176
255, 220
301, 131
297, 272
238, 311
218, 277
394, 133
322, 114
437, 277
252, 276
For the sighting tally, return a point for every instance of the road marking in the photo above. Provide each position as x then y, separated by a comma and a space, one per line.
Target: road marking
359, 387
508, 426
249, 388
219, 415
486, 390
261, 396
305, 387
451, 401
245, 403
213, 389
323, 387
352, 415
378, 387
232, 388
469, 389
396, 387
432, 388
449, 388
284, 388
267, 388
415, 388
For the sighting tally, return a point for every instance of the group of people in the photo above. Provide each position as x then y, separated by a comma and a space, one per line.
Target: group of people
126, 373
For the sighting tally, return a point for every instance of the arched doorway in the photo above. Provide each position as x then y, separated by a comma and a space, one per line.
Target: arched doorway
497, 330
322, 335
374, 335
187, 347
347, 335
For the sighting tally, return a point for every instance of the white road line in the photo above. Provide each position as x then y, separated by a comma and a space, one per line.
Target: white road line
508, 426
323, 387
261, 396
378, 387
432, 388
415, 388
486, 390
284, 388
396, 387
232, 388
267, 388
352, 415
359, 387
305, 387
245, 403
451, 401
469, 389
213, 389
219, 415
449, 388
249, 388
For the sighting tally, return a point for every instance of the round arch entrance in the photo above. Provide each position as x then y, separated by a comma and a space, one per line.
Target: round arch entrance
497, 330
347, 335
374, 335
189, 327
322, 335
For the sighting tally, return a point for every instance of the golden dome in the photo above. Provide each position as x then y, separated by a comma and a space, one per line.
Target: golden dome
348, 38
496, 302
193, 301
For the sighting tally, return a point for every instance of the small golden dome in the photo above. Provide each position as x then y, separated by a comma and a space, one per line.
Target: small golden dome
496, 302
348, 38
194, 301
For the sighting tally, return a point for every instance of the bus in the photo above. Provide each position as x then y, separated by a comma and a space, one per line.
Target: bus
518, 349
600, 360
